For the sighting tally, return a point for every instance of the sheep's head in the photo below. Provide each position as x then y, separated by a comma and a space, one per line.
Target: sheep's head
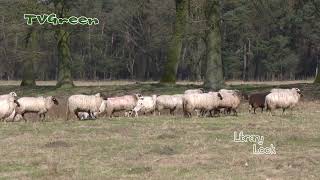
13, 94
54, 100
298, 91
220, 96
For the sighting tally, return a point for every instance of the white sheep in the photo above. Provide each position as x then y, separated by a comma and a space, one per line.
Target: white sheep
40, 105
202, 102
147, 104
120, 103
7, 107
11, 95
84, 103
171, 102
285, 99
86, 115
230, 101
194, 91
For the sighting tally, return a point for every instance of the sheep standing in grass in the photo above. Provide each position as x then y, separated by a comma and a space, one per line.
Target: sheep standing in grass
171, 102
147, 104
284, 99
91, 104
11, 95
40, 105
204, 102
230, 102
121, 103
194, 91
7, 107
257, 100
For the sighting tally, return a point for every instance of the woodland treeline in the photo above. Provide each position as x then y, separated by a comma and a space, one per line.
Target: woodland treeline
167, 40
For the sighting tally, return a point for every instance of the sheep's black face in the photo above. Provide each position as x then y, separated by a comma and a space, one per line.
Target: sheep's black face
16, 102
300, 93
55, 101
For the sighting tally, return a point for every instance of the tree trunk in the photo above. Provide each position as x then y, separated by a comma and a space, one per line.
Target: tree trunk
28, 77
64, 59
214, 72
317, 80
171, 65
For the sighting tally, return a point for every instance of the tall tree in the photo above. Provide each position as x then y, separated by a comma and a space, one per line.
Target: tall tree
175, 44
214, 73
31, 43
63, 45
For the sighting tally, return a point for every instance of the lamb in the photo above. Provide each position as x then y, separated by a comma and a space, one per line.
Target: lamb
86, 116
194, 91
7, 107
146, 104
231, 100
85, 103
40, 105
203, 102
257, 100
285, 99
172, 102
121, 103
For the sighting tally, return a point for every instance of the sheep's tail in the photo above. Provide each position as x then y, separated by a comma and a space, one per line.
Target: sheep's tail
68, 111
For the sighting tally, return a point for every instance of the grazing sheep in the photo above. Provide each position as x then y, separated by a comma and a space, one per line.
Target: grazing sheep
40, 105
194, 91
257, 100
7, 107
121, 103
284, 99
84, 103
172, 102
203, 102
147, 104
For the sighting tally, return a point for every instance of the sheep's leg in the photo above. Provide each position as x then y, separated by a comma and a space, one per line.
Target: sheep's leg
77, 114
261, 109
283, 111
172, 111
235, 113
25, 120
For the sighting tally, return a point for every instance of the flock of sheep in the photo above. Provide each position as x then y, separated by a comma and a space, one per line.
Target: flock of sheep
192, 101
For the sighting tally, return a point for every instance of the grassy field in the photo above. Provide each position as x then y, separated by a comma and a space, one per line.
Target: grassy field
163, 147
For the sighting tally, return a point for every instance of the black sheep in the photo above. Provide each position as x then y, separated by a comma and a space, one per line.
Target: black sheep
257, 100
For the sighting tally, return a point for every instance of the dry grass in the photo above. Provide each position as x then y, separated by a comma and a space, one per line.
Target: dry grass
163, 147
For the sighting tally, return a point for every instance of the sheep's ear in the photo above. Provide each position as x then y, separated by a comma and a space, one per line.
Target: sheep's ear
220, 96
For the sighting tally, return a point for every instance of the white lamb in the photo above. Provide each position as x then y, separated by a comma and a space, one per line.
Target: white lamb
147, 104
